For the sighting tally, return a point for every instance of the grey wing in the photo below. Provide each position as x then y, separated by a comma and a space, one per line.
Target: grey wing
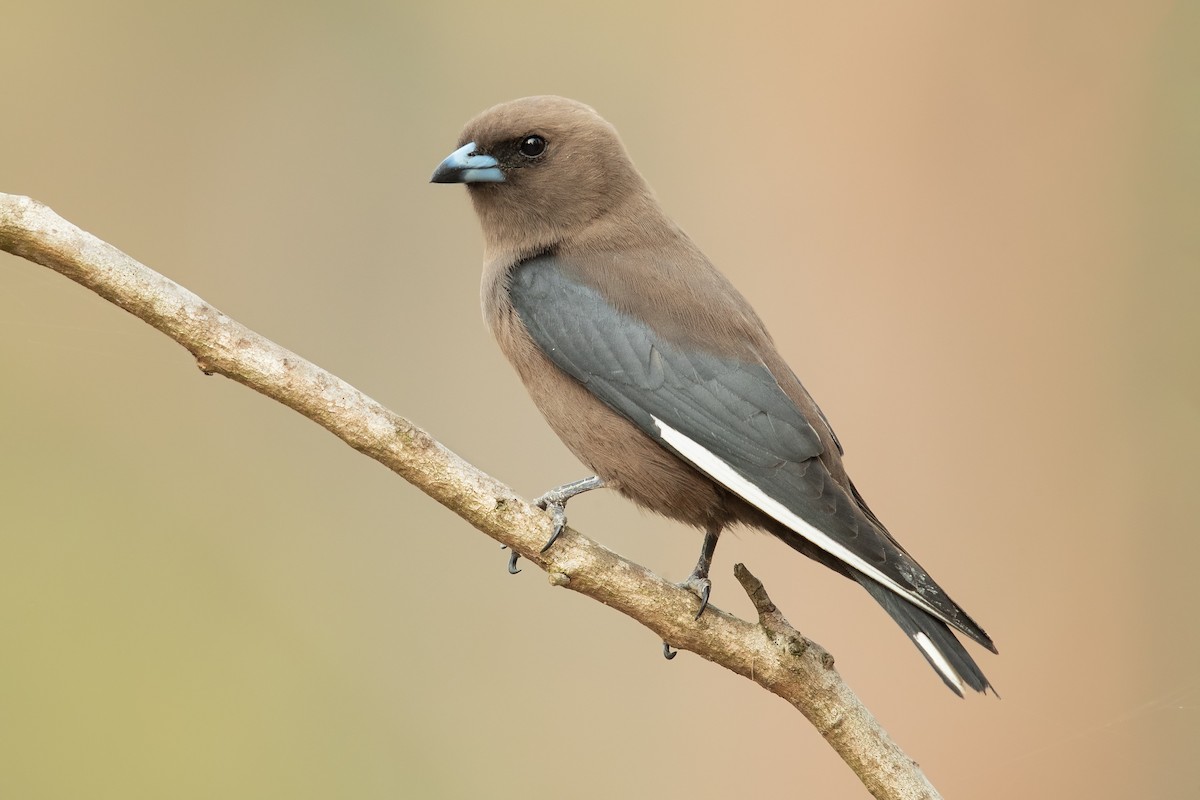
727, 417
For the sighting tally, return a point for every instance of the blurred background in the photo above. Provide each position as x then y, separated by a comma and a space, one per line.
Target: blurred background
972, 229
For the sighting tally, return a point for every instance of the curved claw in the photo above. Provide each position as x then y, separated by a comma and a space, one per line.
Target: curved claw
512, 563
668, 653
704, 593
558, 513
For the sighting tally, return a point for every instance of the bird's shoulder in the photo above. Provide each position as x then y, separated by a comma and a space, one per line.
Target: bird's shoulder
681, 298
673, 289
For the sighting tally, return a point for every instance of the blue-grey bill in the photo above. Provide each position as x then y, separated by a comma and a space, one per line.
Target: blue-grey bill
465, 165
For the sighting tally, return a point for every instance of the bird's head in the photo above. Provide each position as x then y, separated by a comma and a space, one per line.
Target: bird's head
540, 168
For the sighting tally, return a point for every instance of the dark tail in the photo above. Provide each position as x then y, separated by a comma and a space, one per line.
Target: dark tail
933, 638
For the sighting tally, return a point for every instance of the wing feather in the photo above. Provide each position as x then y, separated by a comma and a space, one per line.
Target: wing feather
729, 418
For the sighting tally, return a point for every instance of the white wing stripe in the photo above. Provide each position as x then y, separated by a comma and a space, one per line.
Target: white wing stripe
718, 470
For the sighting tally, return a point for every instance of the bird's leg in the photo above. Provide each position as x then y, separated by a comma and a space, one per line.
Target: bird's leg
555, 501
698, 581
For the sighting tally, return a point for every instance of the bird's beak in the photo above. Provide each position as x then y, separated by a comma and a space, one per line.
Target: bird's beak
465, 165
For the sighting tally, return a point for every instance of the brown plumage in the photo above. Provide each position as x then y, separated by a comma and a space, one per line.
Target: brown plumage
635, 334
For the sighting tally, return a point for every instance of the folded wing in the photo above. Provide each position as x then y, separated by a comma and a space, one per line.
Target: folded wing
725, 416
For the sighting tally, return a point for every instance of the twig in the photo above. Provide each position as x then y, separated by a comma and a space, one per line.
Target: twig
770, 652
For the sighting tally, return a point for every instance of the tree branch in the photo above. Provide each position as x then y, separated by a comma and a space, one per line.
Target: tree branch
770, 652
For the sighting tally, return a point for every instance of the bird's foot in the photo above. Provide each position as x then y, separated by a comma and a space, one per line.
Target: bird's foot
699, 585
558, 516
555, 501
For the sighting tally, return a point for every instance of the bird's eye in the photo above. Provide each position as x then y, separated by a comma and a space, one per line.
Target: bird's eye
532, 146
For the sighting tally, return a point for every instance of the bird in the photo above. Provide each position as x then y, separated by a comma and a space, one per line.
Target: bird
657, 373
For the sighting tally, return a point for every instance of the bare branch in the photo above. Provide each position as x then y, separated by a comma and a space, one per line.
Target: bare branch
770, 652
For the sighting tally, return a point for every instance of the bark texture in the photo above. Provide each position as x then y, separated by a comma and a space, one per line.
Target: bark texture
768, 651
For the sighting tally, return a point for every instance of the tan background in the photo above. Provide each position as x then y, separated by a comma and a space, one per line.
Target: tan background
971, 227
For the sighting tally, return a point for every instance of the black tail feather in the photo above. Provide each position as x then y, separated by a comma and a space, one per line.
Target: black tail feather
937, 635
